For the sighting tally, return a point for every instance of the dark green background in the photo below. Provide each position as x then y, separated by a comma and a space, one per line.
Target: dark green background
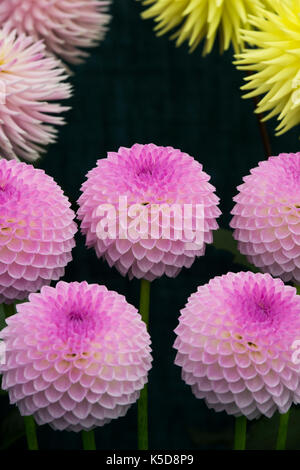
139, 88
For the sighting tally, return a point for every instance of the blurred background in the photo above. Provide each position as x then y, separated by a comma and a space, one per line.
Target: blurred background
136, 87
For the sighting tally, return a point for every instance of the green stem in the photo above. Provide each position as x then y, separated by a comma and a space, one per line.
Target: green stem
282, 431
262, 128
264, 134
30, 427
240, 433
284, 418
30, 430
88, 440
143, 400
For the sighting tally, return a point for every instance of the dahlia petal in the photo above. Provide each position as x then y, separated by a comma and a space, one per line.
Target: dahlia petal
52, 395
55, 410
82, 409
40, 400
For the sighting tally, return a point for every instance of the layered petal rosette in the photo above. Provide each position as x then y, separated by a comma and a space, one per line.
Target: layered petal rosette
77, 356
31, 88
266, 216
148, 210
236, 343
67, 27
36, 230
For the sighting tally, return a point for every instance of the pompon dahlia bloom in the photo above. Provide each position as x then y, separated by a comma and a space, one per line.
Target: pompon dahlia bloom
30, 87
77, 356
197, 20
235, 344
66, 26
274, 62
36, 230
266, 216
156, 179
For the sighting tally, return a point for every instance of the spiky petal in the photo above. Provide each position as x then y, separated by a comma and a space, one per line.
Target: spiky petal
273, 61
76, 356
31, 87
267, 216
150, 176
36, 230
67, 26
235, 343
197, 20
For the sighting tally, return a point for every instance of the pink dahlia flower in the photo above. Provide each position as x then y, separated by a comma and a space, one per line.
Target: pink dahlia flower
66, 26
235, 343
36, 230
77, 356
154, 179
267, 216
30, 87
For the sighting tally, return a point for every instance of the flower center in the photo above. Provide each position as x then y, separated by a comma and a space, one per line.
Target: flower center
75, 317
75, 327
146, 172
259, 309
78, 324
261, 312
257, 306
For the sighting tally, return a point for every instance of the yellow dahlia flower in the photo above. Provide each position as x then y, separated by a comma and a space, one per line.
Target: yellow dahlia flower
275, 62
195, 20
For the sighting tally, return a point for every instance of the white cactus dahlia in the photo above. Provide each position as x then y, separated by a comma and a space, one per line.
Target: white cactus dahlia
66, 26
31, 88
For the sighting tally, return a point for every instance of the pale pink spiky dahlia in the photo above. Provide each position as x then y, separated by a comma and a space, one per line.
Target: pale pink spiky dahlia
155, 178
66, 26
77, 356
267, 216
31, 86
235, 344
36, 230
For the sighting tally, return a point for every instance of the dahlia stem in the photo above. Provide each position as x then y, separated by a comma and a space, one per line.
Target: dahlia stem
262, 128
30, 427
88, 440
143, 400
282, 431
145, 301
263, 132
30, 430
240, 433
284, 418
